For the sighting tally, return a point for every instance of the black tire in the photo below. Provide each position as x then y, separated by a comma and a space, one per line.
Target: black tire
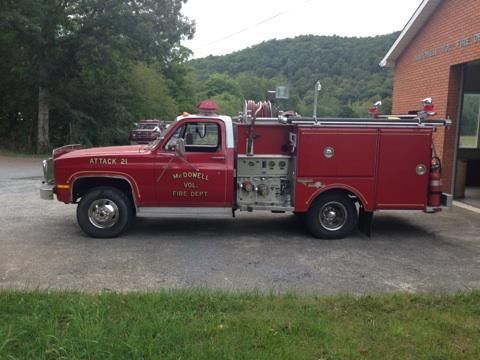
104, 212
332, 216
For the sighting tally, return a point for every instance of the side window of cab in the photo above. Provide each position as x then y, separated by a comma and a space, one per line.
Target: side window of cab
198, 136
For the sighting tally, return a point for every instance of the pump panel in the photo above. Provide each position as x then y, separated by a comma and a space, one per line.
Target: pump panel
265, 182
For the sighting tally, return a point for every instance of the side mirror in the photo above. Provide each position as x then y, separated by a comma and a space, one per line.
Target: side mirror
180, 147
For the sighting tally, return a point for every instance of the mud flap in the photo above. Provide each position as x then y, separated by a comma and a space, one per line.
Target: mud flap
365, 222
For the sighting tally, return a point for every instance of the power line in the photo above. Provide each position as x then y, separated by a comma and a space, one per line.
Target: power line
261, 22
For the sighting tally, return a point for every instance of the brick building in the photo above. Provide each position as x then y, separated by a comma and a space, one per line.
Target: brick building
438, 55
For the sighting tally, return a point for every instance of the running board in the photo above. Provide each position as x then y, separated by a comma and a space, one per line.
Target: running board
172, 212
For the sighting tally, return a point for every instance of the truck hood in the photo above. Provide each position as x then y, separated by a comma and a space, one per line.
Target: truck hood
106, 151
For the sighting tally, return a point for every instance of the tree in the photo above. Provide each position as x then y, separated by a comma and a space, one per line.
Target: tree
218, 84
151, 94
58, 38
228, 104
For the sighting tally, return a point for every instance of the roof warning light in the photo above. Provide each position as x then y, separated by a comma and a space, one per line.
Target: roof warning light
207, 107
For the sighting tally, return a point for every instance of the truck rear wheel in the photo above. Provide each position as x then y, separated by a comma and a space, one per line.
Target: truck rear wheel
104, 212
332, 216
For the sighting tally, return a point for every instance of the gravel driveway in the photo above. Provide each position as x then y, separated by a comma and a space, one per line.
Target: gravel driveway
41, 246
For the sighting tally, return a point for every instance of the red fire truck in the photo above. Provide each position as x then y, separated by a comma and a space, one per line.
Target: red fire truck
332, 172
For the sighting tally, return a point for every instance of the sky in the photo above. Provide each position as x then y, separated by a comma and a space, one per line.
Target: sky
225, 26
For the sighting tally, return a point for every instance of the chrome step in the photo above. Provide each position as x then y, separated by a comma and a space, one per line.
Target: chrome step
171, 212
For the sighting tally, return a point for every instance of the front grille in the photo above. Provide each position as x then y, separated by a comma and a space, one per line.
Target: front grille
48, 174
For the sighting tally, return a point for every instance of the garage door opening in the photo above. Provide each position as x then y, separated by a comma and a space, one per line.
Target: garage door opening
467, 179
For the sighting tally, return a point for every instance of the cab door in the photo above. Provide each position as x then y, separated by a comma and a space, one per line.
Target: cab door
198, 178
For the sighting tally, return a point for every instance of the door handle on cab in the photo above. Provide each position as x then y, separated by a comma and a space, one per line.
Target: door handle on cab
218, 157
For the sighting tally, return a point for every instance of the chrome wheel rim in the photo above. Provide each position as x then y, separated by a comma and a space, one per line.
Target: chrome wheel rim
103, 213
333, 216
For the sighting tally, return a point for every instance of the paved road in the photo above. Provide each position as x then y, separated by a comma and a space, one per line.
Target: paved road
41, 246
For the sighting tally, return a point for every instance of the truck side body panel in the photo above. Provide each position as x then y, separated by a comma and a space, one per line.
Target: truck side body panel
399, 185
379, 166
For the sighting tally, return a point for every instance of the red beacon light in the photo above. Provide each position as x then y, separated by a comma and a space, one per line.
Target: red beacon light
207, 107
428, 107
373, 110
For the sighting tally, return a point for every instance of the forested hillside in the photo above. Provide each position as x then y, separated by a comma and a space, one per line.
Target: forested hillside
347, 68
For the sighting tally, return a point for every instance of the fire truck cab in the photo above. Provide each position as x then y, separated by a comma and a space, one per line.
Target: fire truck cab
332, 172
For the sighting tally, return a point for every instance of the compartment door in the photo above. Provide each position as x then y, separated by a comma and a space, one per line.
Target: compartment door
399, 185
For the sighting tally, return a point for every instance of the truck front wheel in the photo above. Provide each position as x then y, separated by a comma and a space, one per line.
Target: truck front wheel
332, 216
104, 212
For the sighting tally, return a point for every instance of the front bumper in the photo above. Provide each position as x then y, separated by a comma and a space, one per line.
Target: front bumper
46, 192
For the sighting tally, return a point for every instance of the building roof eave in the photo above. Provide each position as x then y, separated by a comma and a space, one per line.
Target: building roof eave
411, 29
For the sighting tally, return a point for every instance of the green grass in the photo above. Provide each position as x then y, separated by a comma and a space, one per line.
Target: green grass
216, 325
